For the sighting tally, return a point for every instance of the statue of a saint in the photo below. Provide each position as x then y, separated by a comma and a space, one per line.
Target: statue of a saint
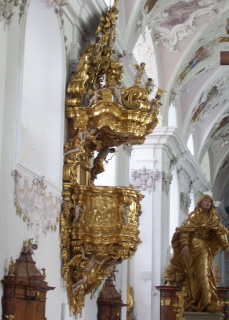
195, 245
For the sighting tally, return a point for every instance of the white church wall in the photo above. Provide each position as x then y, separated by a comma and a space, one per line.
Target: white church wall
42, 112
3, 64
145, 266
43, 116
12, 229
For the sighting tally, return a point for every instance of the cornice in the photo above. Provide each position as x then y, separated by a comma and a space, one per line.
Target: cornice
170, 140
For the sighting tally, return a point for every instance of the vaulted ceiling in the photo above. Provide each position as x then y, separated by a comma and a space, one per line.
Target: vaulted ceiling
188, 37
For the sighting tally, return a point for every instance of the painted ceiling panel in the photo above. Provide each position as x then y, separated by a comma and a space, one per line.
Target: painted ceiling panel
189, 36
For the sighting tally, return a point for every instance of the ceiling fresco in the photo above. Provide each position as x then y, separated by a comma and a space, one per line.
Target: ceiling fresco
180, 13
188, 37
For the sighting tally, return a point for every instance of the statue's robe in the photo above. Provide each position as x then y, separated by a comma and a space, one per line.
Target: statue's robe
204, 235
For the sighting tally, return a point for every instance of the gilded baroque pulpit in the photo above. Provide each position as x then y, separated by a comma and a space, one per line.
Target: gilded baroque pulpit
99, 224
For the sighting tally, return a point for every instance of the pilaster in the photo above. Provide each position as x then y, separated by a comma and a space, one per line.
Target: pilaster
151, 167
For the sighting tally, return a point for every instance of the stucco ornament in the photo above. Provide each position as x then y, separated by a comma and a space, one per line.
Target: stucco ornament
53, 3
209, 102
185, 201
166, 181
143, 21
6, 10
174, 23
37, 209
144, 179
223, 167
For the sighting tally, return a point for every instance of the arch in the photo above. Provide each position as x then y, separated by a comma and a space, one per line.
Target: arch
172, 118
40, 124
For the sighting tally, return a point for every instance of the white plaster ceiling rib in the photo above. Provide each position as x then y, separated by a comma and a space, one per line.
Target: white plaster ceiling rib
225, 192
187, 125
206, 37
217, 137
223, 166
221, 97
221, 183
132, 32
173, 143
203, 140
210, 63
174, 86
169, 33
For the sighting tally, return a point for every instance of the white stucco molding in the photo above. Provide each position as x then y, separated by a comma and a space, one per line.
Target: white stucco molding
144, 179
166, 180
185, 202
170, 139
170, 38
38, 210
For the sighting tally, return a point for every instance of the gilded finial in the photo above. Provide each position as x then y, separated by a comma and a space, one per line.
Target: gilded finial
218, 276
44, 273
11, 267
167, 276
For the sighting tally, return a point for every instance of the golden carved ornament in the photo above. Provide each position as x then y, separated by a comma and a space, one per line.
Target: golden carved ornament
130, 303
179, 306
99, 225
101, 235
11, 269
167, 276
218, 276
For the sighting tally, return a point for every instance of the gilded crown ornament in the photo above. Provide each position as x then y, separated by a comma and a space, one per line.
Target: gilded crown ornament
99, 225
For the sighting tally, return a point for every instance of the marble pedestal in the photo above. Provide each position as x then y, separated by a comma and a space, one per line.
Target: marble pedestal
202, 316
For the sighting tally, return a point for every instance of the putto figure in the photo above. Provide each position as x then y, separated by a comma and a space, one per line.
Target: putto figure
140, 71
98, 166
195, 245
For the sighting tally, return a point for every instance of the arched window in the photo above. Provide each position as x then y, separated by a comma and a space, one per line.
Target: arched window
205, 166
190, 144
172, 119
